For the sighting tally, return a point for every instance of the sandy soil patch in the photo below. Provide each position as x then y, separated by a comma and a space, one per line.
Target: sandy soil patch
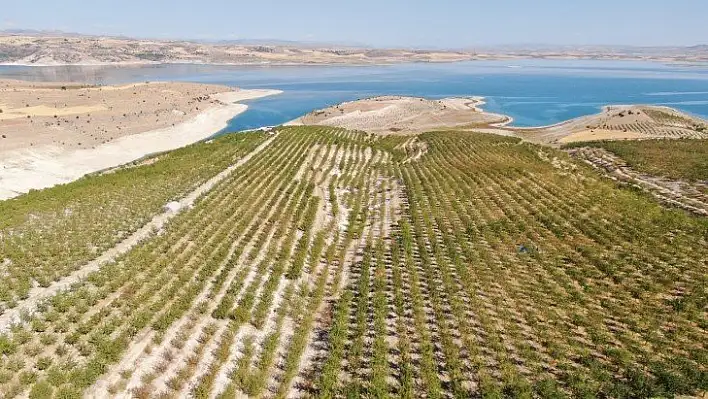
83, 117
126, 87
43, 150
74, 116
43, 110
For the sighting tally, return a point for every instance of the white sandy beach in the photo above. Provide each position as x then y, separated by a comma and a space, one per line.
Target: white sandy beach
44, 166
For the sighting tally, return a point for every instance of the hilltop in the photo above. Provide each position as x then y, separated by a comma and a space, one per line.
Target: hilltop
624, 142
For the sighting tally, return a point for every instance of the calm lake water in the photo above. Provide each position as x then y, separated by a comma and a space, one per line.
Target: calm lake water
533, 92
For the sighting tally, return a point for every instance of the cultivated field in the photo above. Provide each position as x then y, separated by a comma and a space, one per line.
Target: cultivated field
677, 159
321, 262
675, 171
621, 122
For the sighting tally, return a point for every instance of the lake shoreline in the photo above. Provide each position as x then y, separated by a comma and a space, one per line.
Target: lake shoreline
34, 166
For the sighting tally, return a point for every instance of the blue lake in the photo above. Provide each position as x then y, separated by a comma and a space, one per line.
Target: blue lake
533, 92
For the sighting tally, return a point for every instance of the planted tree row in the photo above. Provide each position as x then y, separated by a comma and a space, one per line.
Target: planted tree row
336, 263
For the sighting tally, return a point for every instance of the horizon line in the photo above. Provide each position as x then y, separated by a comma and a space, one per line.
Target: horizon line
217, 41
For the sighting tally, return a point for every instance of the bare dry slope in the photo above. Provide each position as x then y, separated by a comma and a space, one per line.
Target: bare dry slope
403, 115
52, 134
57, 48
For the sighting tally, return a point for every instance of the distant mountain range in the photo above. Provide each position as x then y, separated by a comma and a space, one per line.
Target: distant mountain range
33, 47
245, 41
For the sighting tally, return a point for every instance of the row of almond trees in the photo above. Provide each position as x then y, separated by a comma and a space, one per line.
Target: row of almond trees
478, 268
508, 276
46, 235
209, 304
150, 288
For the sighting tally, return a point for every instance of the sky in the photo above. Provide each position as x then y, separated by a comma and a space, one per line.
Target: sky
383, 23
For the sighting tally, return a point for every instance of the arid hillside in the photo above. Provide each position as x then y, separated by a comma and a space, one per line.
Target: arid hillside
57, 48
621, 122
46, 50
404, 115
52, 133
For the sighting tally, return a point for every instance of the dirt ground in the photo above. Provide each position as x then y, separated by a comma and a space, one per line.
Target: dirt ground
83, 117
52, 134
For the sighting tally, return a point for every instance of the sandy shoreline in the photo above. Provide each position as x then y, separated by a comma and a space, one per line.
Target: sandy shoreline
42, 166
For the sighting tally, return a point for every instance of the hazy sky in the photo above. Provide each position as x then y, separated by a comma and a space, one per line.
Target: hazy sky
440, 23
